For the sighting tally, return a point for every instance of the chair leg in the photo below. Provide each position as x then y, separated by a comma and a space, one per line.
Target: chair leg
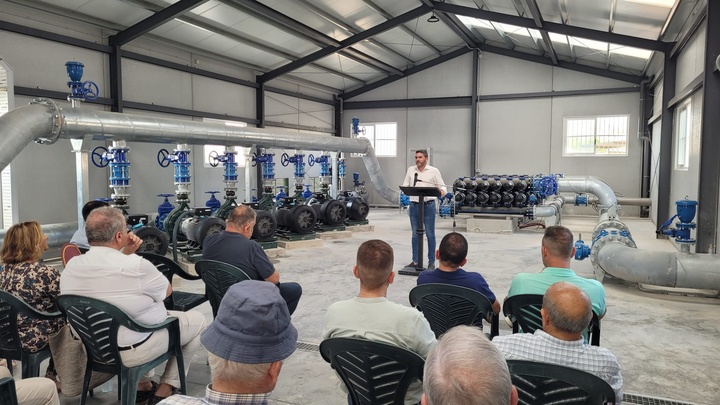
181, 370
127, 385
86, 383
9, 365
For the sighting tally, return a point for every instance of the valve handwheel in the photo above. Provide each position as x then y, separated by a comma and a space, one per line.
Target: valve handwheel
162, 158
90, 90
98, 156
214, 158
311, 160
285, 159
254, 159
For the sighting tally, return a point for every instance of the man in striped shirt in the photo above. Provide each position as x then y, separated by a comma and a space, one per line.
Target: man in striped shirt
566, 313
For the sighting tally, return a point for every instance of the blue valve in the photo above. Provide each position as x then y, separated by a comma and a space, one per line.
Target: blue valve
79, 89
307, 193
213, 203
163, 210
582, 251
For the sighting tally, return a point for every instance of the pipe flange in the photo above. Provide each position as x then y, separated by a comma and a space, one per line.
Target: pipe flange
58, 127
604, 237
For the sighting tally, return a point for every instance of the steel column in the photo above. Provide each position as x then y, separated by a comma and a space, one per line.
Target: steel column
260, 115
474, 113
116, 79
710, 138
666, 141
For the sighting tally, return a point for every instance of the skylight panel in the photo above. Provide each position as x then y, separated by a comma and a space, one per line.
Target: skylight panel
643, 54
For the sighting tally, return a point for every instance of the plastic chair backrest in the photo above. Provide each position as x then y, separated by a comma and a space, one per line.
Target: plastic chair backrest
541, 383
218, 277
524, 312
374, 373
10, 343
169, 268
446, 305
7, 391
68, 251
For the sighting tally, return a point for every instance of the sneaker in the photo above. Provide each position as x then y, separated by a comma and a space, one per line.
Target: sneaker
431, 266
412, 264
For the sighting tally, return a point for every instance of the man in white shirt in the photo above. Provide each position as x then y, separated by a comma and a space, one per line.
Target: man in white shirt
423, 175
134, 285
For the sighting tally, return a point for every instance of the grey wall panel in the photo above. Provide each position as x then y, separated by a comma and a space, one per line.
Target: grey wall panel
514, 136
395, 90
622, 173
282, 108
564, 79
39, 63
314, 114
147, 83
502, 75
449, 79
219, 97
691, 61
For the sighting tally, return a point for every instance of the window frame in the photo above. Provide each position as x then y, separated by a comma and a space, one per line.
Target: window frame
374, 139
686, 107
594, 118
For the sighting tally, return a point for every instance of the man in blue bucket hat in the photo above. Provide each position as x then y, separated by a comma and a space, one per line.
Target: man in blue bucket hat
246, 343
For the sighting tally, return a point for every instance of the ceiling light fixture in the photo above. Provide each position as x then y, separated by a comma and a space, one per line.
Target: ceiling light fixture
433, 18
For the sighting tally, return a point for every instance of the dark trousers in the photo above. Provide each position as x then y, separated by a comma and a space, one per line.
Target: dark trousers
291, 293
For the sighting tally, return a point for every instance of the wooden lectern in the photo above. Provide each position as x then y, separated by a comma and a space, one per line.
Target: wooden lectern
420, 193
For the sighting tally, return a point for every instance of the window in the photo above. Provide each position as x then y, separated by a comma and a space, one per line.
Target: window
596, 136
682, 136
382, 136
220, 150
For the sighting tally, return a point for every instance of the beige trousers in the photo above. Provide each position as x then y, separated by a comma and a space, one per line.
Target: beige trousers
34, 391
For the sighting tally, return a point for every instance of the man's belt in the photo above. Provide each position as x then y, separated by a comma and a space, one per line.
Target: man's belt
123, 348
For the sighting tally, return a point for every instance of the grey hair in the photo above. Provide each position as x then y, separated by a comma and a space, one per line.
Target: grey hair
464, 368
226, 370
241, 216
563, 319
103, 224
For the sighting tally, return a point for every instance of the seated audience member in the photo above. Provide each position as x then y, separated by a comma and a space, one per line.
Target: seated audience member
464, 368
371, 316
247, 343
234, 246
452, 255
33, 391
557, 251
566, 313
79, 238
26, 277
134, 285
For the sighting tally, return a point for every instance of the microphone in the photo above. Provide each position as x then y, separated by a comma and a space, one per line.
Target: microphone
416, 180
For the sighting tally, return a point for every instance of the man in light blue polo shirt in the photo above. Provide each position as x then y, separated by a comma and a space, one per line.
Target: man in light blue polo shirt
557, 251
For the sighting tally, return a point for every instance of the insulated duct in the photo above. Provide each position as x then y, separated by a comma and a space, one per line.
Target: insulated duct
58, 234
44, 122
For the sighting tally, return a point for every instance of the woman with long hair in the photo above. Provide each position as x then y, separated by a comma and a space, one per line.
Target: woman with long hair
26, 277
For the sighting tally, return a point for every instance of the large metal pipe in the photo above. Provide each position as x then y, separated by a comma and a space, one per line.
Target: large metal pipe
45, 122
667, 269
606, 197
58, 234
635, 201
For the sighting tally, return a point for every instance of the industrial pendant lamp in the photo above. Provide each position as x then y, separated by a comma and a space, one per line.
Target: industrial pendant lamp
433, 18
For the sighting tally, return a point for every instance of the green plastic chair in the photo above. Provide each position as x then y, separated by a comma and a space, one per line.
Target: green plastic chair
97, 323
10, 345
374, 373
178, 300
541, 383
447, 305
218, 277
7, 392
524, 312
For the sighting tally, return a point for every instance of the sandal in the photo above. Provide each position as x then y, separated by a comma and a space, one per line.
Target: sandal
156, 399
143, 396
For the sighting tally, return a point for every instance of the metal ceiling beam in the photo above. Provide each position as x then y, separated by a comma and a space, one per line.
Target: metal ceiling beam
403, 27
387, 25
347, 27
211, 27
51, 36
563, 64
535, 12
408, 72
271, 16
574, 31
481, 5
154, 21
455, 25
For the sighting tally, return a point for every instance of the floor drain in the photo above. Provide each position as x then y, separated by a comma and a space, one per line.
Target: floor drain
643, 400
308, 347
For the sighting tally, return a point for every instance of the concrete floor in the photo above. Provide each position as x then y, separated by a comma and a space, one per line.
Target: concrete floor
667, 344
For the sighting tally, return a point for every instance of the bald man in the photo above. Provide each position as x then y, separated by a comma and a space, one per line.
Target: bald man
566, 313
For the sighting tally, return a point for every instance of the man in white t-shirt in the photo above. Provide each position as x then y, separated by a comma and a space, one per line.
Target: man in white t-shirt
134, 285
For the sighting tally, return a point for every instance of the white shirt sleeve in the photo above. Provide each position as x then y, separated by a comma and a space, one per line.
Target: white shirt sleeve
153, 283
